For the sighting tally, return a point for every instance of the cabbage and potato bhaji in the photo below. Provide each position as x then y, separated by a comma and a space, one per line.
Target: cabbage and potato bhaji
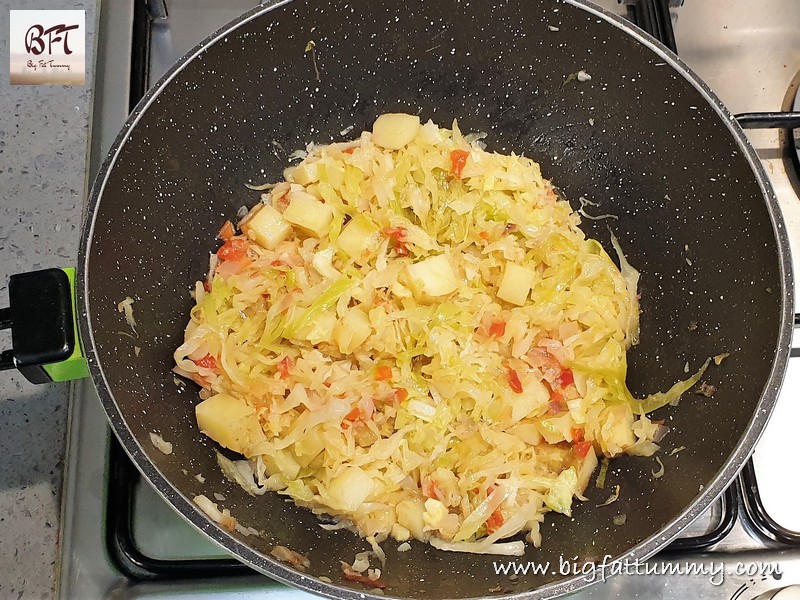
413, 335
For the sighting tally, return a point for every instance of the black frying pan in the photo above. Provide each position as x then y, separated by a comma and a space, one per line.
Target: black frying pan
643, 138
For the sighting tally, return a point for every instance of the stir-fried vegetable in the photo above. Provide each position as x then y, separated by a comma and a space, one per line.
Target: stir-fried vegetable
412, 334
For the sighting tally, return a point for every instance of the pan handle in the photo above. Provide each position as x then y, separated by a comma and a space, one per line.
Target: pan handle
45, 345
795, 352
769, 120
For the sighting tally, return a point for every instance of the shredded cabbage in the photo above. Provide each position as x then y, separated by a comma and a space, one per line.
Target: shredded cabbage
419, 342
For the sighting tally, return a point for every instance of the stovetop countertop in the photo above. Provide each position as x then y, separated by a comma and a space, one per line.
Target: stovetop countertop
43, 141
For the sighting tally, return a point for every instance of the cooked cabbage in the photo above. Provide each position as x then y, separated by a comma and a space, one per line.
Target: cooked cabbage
420, 341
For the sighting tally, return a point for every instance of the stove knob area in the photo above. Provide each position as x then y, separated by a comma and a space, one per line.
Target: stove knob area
788, 593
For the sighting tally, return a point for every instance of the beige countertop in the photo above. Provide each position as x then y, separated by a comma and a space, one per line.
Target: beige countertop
43, 142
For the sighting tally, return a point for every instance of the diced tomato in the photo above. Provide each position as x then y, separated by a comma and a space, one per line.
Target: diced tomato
458, 158
398, 235
497, 328
349, 150
565, 378
429, 489
207, 286
227, 231
495, 521
513, 381
556, 404
284, 366
383, 373
577, 434
352, 575
582, 448
207, 362
400, 394
234, 250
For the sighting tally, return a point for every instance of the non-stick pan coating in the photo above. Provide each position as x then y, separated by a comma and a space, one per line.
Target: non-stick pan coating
641, 139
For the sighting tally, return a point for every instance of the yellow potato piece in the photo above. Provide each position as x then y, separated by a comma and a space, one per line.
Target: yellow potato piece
433, 276
230, 422
308, 213
267, 227
394, 130
516, 284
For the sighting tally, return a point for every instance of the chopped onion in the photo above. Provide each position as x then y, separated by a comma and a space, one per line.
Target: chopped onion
612, 498
660, 471
222, 518
284, 554
361, 562
241, 472
160, 444
260, 188
720, 357
126, 306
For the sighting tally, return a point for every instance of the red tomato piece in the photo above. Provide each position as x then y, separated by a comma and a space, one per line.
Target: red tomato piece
398, 235
513, 381
556, 404
234, 250
495, 521
227, 231
383, 373
207, 362
285, 366
497, 329
458, 158
582, 448
565, 378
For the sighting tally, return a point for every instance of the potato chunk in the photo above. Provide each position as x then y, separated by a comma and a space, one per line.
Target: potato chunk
305, 173
433, 276
516, 284
352, 330
267, 227
308, 213
394, 130
229, 422
350, 488
359, 239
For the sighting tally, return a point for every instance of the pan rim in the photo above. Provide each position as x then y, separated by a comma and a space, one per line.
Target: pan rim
643, 550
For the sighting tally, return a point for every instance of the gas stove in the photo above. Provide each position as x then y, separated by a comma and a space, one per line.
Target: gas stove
120, 540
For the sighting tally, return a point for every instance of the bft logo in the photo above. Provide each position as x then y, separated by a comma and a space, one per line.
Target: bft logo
48, 47
35, 38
